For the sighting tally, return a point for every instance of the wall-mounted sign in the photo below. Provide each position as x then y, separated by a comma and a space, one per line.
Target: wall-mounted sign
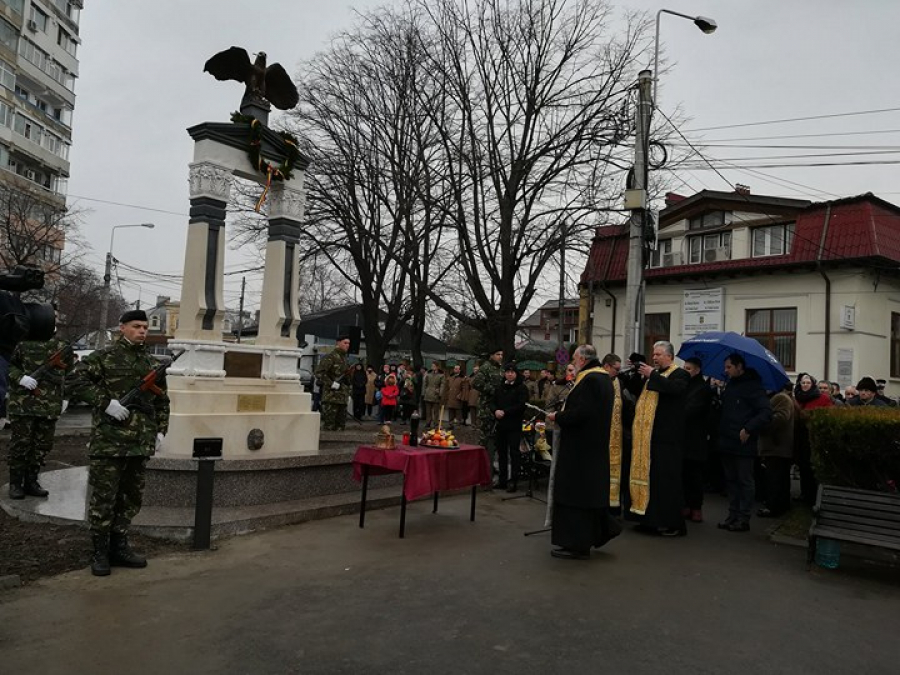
848, 317
703, 311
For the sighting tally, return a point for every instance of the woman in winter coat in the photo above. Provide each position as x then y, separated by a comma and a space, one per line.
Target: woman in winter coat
776, 450
807, 398
371, 376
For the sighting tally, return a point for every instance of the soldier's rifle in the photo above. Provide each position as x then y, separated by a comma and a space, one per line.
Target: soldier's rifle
56, 360
148, 383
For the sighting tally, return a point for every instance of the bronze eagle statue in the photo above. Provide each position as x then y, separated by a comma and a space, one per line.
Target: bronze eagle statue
263, 83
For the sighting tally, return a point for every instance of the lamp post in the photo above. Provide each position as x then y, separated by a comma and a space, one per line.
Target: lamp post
636, 197
107, 277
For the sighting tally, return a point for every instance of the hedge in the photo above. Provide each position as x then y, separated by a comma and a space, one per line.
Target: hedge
856, 447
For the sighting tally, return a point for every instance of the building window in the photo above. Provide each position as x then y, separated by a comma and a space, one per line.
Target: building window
772, 240
895, 344
154, 322
9, 36
710, 220
40, 18
662, 256
776, 330
708, 248
66, 41
656, 328
7, 75
18, 6
6, 115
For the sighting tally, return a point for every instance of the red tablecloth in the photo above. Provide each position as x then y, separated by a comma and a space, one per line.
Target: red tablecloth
426, 470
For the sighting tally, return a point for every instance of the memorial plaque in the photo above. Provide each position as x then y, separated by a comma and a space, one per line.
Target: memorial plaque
243, 364
251, 403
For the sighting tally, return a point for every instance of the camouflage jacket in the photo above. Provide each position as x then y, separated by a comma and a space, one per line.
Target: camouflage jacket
110, 374
333, 368
46, 400
486, 381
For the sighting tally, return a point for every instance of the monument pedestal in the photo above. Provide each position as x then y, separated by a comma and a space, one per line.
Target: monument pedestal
244, 394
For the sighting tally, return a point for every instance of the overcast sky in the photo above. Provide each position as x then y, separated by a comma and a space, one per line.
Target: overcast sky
141, 85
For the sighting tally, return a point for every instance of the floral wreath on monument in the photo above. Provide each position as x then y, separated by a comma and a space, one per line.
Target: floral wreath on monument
283, 172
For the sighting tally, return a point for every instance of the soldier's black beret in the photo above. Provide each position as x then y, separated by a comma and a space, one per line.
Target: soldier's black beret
133, 315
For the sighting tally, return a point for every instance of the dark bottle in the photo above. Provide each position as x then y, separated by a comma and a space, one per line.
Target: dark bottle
414, 428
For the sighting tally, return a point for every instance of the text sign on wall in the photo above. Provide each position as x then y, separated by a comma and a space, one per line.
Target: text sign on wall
845, 367
703, 311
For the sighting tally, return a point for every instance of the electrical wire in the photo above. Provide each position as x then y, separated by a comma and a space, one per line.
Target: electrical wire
795, 119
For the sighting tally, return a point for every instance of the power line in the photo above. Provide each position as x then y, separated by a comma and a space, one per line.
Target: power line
823, 135
130, 206
795, 119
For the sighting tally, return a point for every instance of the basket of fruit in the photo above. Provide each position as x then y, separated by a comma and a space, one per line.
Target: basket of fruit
438, 438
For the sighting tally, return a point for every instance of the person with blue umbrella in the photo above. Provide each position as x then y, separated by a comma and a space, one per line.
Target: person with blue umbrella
713, 348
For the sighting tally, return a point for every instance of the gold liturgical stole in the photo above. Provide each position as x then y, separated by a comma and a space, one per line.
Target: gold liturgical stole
615, 446
615, 436
641, 433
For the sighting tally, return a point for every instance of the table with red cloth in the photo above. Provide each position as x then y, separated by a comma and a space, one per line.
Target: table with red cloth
425, 471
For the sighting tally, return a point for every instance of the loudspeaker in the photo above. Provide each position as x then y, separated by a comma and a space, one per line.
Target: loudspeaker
355, 333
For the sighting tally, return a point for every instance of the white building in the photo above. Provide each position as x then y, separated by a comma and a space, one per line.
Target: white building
38, 68
817, 284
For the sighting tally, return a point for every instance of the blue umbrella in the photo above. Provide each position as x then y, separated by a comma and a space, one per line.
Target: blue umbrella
713, 348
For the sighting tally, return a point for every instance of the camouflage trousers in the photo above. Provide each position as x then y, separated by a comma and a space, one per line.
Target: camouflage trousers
117, 490
334, 416
486, 437
31, 438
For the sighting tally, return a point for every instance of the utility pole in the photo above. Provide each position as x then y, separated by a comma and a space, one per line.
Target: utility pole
241, 309
562, 285
104, 303
636, 201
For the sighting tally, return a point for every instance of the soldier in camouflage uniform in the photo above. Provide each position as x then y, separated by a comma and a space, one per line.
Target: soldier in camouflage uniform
35, 403
121, 439
485, 382
332, 371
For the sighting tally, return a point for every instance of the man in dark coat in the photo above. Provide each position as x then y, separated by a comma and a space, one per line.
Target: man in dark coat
746, 411
657, 493
509, 410
697, 403
580, 498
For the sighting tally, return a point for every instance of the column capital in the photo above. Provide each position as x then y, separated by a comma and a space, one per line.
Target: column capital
209, 180
285, 202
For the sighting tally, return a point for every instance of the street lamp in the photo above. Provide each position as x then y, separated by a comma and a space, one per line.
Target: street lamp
107, 277
636, 198
704, 23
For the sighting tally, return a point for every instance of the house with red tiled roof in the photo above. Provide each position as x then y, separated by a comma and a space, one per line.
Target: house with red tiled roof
817, 283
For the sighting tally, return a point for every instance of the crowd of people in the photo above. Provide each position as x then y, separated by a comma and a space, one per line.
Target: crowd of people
669, 436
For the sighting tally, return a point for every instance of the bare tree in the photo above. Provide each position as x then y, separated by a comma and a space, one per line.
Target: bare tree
78, 297
37, 231
367, 137
533, 111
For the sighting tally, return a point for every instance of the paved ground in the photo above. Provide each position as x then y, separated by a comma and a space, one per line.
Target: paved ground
456, 597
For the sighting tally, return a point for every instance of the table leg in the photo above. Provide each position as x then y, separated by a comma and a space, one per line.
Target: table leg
362, 501
402, 515
472, 513
434, 510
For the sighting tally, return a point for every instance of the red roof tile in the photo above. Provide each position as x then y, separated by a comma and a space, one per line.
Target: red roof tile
858, 227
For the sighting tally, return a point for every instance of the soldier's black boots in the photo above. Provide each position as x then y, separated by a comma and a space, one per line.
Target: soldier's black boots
100, 559
33, 488
16, 491
121, 554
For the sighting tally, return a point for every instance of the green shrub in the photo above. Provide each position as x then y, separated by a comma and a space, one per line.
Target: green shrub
856, 447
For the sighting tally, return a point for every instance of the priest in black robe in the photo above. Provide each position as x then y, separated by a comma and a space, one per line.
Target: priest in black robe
657, 491
580, 517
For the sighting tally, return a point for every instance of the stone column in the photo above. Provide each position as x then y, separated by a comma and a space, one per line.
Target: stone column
279, 313
202, 306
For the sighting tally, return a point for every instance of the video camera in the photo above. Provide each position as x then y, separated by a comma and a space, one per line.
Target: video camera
23, 320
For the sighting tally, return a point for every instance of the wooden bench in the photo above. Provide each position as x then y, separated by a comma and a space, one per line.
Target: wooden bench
857, 516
